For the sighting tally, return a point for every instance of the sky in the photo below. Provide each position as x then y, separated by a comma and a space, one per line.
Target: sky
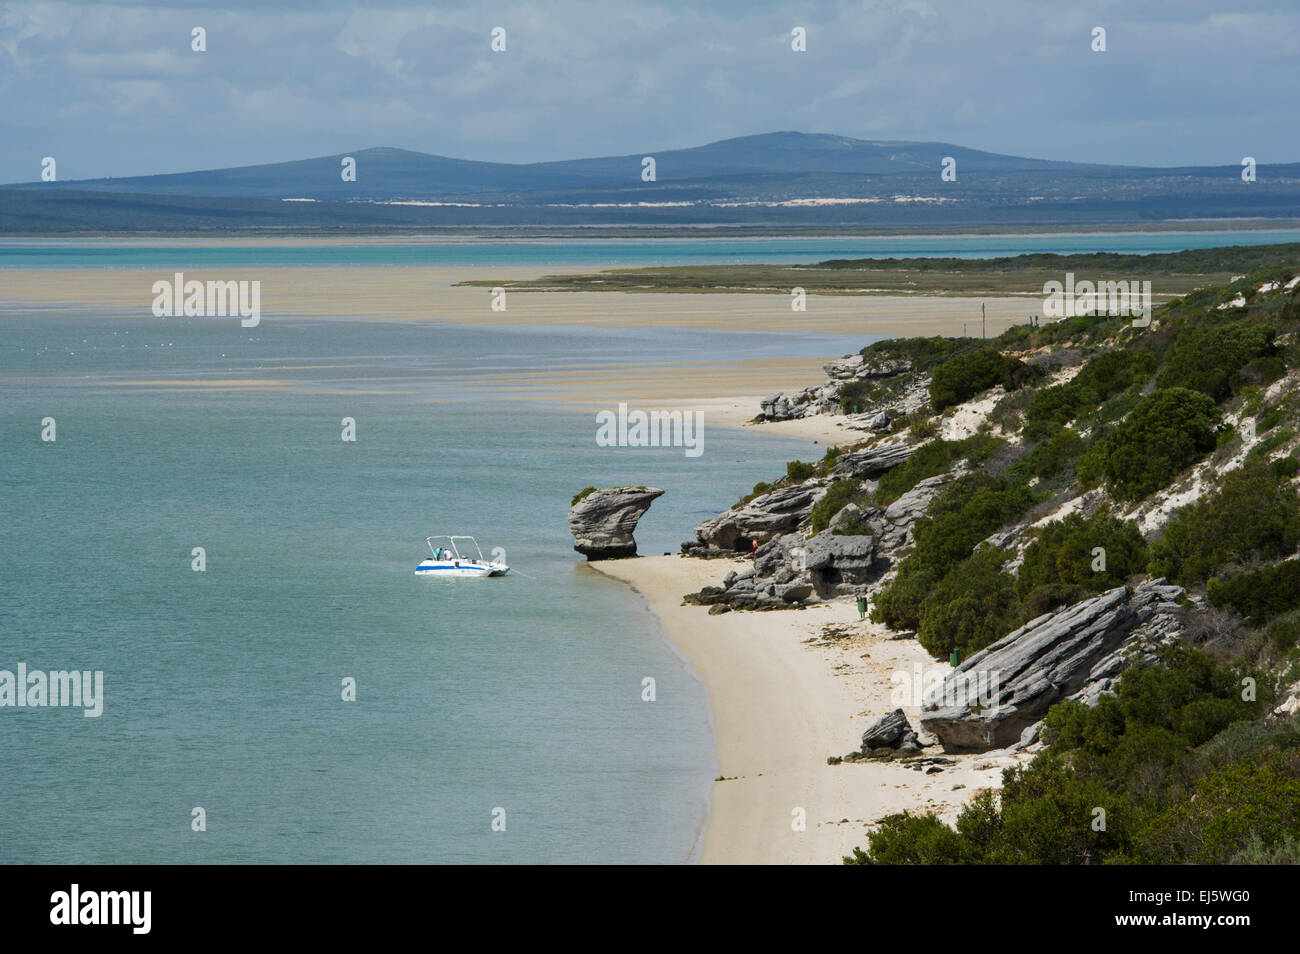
115, 89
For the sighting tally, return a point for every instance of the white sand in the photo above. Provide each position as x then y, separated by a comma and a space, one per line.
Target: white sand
781, 707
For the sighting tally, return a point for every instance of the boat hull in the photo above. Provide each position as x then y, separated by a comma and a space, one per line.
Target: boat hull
442, 568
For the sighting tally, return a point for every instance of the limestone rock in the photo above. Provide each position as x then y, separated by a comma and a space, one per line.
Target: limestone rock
602, 522
761, 519
871, 462
994, 696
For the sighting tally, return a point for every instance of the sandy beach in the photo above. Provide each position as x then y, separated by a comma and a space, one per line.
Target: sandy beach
784, 698
431, 294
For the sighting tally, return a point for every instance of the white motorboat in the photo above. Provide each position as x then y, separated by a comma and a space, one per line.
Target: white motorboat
447, 559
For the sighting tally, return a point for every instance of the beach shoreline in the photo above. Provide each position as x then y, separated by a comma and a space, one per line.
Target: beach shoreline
784, 698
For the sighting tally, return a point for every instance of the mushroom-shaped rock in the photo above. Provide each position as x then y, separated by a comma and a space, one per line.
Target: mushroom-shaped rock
602, 521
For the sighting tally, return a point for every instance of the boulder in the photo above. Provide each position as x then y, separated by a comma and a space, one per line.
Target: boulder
886, 732
763, 518
602, 522
834, 562
989, 700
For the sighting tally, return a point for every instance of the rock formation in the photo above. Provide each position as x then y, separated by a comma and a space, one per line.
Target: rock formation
602, 522
1002, 692
824, 399
760, 519
792, 569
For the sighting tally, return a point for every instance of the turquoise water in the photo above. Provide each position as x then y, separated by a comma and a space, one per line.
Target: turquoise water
80, 253
223, 688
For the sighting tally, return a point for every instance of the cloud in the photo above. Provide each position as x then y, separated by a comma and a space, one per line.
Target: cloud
114, 89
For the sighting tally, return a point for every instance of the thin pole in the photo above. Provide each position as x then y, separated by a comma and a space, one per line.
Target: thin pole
982, 334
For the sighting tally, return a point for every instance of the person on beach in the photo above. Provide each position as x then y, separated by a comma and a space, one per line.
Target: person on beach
753, 552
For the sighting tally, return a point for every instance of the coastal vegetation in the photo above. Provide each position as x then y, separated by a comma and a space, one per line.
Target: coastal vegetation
1174, 768
1190, 758
1172, 274
1104, 507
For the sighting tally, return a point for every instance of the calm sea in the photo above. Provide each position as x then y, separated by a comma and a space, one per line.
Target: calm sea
118, 253
223, 689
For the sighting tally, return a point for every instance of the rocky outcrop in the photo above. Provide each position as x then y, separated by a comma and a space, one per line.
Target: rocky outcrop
824, 399
888, 738
748, 591
855, 552
760, 519
602, 522
993, 698
872, 462
837, 564
889, 732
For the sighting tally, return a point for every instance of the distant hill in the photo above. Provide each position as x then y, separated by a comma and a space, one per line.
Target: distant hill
774, 180
399, 173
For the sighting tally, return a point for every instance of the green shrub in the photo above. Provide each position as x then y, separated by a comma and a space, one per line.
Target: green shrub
962, 377
798, 471
1261, 594
1052, 456
584, 492
838, 495
1286, 851
857, 395
957, 521
1251, 516
760, 488
1062, 556
921, 353
929, 460
922, 429
1103, 376
1284, 468
1229, 811
1211, 360
907, 839
970, 607
1137, 755
1166, 432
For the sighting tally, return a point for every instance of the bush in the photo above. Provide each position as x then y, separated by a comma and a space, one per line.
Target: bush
957, 521
1052, 456
1103, 376
1251, 516
908, 839
838, 495
1137, 755
1211, 360
930, 460
1285, 852
856, 395
1261, 594
1229, 812
1165, 433
921, 353
1062, 556
1284, 468
972, 606
960, 378
797, 471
